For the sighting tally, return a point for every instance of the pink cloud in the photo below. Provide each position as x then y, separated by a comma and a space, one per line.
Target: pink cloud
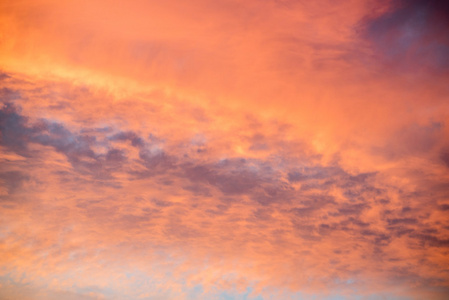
267, 148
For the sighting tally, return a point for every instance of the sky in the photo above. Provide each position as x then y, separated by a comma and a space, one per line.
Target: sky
258, 149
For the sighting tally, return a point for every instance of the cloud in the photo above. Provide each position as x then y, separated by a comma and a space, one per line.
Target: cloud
13, 180
268, 207
411, 34
280, 149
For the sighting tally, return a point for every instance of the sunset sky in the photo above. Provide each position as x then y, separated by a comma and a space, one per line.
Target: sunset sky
252, 149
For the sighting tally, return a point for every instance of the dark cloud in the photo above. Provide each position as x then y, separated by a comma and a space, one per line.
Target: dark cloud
231, 177
156, 162
97, 130
162, 203
430, 240
61, 139
314, 173
275, 192
4, 76
198, 189
296, 176
13, 180
412, 33
7, 95
115, 156
258, 142
444, 207
402, 221
311, 203
15, 134
358, 222
413, 140
352, 209
406, 209
135, 140
444, 156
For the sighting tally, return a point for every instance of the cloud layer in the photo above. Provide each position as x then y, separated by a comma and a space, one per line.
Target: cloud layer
226, 150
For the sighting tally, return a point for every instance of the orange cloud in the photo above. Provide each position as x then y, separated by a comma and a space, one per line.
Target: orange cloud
188, 150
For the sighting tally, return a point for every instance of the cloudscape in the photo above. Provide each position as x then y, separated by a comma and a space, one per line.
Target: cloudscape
259, 149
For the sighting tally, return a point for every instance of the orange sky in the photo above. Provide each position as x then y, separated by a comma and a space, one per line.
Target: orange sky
224, 149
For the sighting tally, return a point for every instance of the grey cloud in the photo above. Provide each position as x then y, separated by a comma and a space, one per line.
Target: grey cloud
258, 143
15, 133
156, 162
198, 189
162, 203
13, 180
431, 240
414, 140
255, 179
311, 203
135, 140
57, 136
402, 221
231, 177
60, 105
274, 193
413, 32
352, 209
443, 207
7, 95
444, 156
4, 76
314, 173
358, 222
115, 155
